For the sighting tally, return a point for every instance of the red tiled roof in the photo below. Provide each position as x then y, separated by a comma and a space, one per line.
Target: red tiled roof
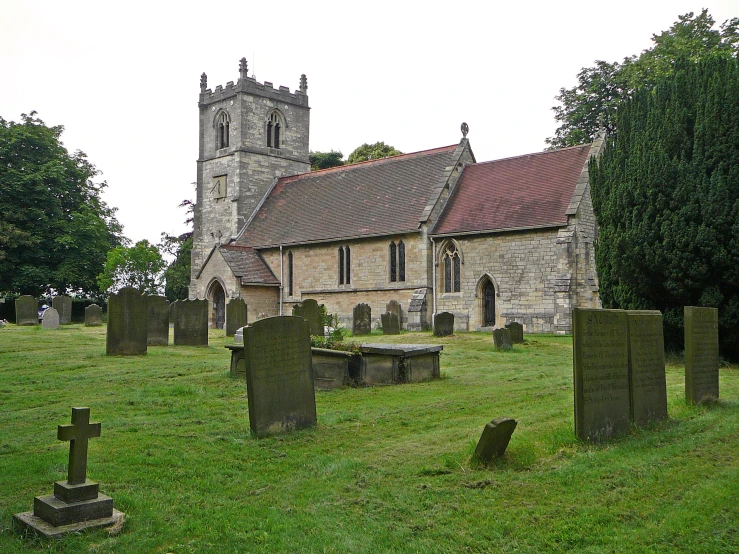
378, 197
514, 193
248, 264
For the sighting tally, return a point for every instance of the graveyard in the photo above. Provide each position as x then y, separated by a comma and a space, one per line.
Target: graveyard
385, 468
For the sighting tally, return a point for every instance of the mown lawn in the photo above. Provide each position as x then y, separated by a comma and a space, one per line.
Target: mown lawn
387, 469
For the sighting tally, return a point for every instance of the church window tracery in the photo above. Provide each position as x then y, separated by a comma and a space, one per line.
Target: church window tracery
222, 131
273, 130
452, 269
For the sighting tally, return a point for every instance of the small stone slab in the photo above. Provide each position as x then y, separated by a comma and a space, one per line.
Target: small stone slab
63, 305
26, 310
495, 438
701, 354
362, 323
157, 308
191, 323
502, 339
444, 324
50, 319
516, 330
647, 367
127, 323
236, 316
390, 324
93, 316
26, 521
393, 307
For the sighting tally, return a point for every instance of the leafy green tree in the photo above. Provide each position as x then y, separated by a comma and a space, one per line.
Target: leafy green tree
139, 266
55, 230
372, 152
325, 160
666, 197
600, 89
177, 273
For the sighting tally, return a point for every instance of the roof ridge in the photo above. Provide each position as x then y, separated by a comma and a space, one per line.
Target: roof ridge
585, 145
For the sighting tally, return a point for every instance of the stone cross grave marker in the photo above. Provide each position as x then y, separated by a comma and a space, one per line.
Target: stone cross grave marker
76, 503
444, 324
236, 316
311, 312
50, 319
701, 354
495, 438
502, 339
601, 373
63, 305
279, 375
362, 323
516, 330
191, 323
127, 323
93, 316
393, 307
647, 367
26, 310
157, 333
390, 324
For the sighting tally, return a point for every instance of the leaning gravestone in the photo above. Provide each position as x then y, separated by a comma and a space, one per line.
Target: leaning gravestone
50, 319
701, 354
158, 321
502, 339
390, 324
443, 324
495, 438
647, 367
516, 330
191, 323
279, 375
311, 312
601, 373
235, 316
26, 310
362, 324
93, 316
63, 305
393, 307
127, 323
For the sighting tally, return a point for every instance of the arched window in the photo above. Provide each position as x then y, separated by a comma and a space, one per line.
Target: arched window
396, 257
345, 265
289, 273
222, 134
393, 263
341, 265
401, 261
452, 269
273, 130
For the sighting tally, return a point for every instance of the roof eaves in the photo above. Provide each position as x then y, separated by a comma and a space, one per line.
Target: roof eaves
336, 239
497, 231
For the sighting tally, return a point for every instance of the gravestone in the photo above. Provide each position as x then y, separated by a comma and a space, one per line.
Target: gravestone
63, 305
601, 373
76, 504
495, 438
26, 310
701, 354
191, 323
279, 375
127, 323
362, 324
390, 324
311, 312
93, 316
157, 308
648, 390
235, 316
516, 330
443, 324
393, 307
50, 319
502, 339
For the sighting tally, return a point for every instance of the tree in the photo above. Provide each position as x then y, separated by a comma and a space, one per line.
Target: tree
177, 274
372, 152
139, 266
55, 230
600, 89
325, 160
666, 197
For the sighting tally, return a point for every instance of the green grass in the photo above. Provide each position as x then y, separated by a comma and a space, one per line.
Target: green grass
387, 469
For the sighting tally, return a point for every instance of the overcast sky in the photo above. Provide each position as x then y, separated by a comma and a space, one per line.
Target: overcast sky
123, 78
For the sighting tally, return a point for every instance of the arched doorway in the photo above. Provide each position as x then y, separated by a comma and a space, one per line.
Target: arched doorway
488, 304
218, 296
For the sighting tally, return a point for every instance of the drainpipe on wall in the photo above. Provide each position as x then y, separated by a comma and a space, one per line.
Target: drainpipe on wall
433, 280
280, 279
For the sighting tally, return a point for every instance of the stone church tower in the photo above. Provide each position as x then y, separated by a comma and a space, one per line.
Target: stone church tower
250, 134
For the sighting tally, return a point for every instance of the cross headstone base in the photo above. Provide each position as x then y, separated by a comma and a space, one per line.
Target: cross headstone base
27, 521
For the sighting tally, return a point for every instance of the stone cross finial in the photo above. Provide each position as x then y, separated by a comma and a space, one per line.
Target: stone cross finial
465, 129
78, 433
243, 68
203, 82
303, 83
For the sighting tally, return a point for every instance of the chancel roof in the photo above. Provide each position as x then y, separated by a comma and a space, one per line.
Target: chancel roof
379, 197
524, 192
248, 265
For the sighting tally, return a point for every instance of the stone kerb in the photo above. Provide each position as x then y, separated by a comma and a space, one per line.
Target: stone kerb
601, 373
648, 386
127, 330
279, 375
236, 316
26, 310
158, 321
443, 324
701, 354
63, 305
50, 319
93, 316
191, 323
362, 320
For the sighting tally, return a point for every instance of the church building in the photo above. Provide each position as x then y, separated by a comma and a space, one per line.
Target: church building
491, 242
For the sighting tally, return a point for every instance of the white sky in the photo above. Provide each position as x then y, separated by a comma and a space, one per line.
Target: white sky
123, 78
